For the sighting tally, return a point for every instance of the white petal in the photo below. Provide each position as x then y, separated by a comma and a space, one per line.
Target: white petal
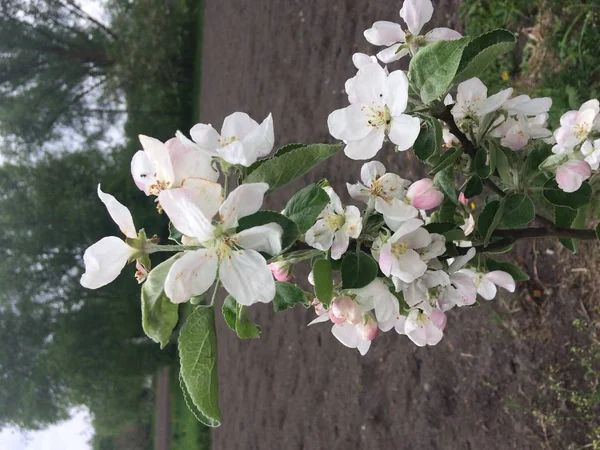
493, 102
350, 123
395, 210
119, 213
185, 211
320, 319
358, 192
470, 90
460, 261
502, 279
404, 131
334, 200
363, 346
371, 171
192, 274
237, 125
393, 185
143, 170
104, 261
486, 289
393, 53
360, 60
347, 334
367, 147
263, 238
260, 141
410, 267
247, 278
320, 236
188, 163
207, 194
416, 13
241, 202
159, 156
340, 244
384, 33
370, 84
396, 92
206, 137
353, 223
407, 227
419, 238
442, 34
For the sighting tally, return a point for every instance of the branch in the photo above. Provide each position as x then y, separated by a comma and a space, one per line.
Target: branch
85, 15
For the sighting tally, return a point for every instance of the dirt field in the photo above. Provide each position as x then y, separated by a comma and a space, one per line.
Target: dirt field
298, 388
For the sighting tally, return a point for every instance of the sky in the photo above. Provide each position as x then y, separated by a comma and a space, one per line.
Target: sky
72, 434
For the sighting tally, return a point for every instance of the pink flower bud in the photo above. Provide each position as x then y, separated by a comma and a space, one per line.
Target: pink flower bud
572, 174
424, 195
347, 309
438, 318
281, 271
335, 319
462, 198
368, 328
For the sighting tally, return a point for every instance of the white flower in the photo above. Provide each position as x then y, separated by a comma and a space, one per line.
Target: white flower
243, 271
398, 258
359, 60
571, 175
486, 282
516, 133
527, 106
472, 100
165, 166
106, 258
376, 296
591, 151
334, 227
381, 100
399, 42
421, 327
576, 126
357, 336
242, 140
386, 190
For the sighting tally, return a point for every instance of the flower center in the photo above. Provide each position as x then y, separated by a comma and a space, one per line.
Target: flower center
581, 130
223, 142
159, 186
335, 221
223, 246
379, 116
399, 248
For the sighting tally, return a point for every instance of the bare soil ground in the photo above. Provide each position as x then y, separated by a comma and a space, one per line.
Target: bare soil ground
297, 387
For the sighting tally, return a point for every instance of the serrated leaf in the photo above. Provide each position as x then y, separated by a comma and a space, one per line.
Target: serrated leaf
358, 270
489, 219
573, 200
236, 318
283, 168
288, 295
305, 206
535, 158
290, 229
429, 141
198, 360
447, 159
159, 314
447, 210
444, 180
281, 151
229, 310
507, 267
323, 281
481, 51
473, 187
434, 67
519, 210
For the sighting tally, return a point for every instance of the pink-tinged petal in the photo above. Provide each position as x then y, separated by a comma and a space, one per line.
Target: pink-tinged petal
571, 175
371, 171
247, 278
361, 60
186, 213
263, 238
523, 104
404, 131
419, 238
370, 84
241, 202
281, 271
119, 213
493, 102
347, 309
104, 261
322, 318
188, 163
367, 147
423, 194
462, 199
393, 53
237, 125
341, 240
396, 92
205, 137
335, 319
592, 105
502, 279
569, 119
384, 33
407, 227
416, 13
208, 195
465, 289
159, 156
350, 123
191, 275
143, 171
347, 334
368, 328
486, 289
363, 347
442, 34
438, 318
387, 262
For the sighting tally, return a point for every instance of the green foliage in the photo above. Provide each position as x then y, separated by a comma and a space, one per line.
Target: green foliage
236, 318
198, 359
284, 168
447, 160
573, 200
288, 295
429, 141
358, 270
508, 267
485, 162
444, 180
290, 229
473, 187
305, 206
519, 210
323, 281
489, 219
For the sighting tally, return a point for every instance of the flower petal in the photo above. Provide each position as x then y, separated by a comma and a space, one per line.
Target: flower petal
404, 131
493, 102
191, 275
340, 244
186, 212
350, 123
188, 162
247, 278
237, 125
159, 156
263, 238
571, 175
384, 33
502, 279
370, 84
416, 13
396, 92
205, 137
143, 171
104, 261
371, 171
393, 53
442, 34
241, 202
119, 213
320, 235
353, 223
360, 60
367, 147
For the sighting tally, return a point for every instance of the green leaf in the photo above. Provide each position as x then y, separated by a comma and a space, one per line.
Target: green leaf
519, 210
510, 268
288, 295
485, 162
489, 219
358, 270
447, 210
174, 234
281, 151
198, 359
535, 158
447, 159
429, 141
569, 218
159, 314
434, 67
290, 229
444, 180
237, 319
306, 205
473, 187
229, 310
481, 51
323, 281
503, 167
283, 168
573, 200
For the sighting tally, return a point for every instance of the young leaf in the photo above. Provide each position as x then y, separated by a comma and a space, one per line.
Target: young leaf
473, 187
485, 162
283, 168
244, 327
507, 267
447, 210
358, 270
573, 200
281, 151
174, 234
429, 141
306, 205
444, 180
198, 359
288, 295
290, 229
434, 67
489, 219
447, 159
503, 167
518, 211
323, 281
482, 51
229, 310
159, 315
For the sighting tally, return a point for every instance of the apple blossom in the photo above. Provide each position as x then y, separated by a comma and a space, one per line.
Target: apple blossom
571, 175
400, 42
165, 166
423, 194
359, 60
486, 282
241, 268
381, 101
516, 133
281, 271
242, 140
334, 227
591, 152
527, 106
472, 101
420, 327
577, 126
